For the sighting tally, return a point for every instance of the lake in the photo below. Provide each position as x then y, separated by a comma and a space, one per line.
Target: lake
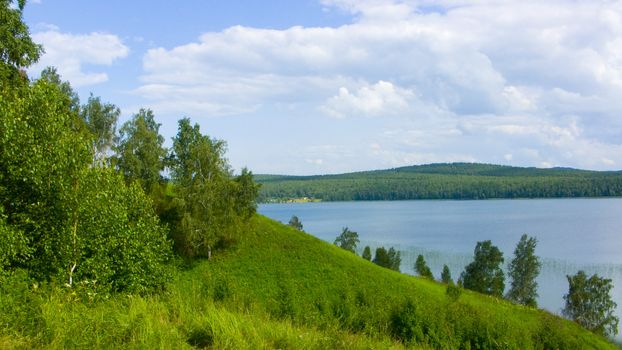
573, 234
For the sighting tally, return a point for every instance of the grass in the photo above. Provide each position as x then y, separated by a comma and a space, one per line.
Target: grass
279, 288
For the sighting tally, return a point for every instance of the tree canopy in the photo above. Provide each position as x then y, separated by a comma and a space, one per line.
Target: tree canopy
295, 222
422, 268
484, 274
366, 253
446, 275
589, 303
69, 221
17, 50
213, 206
101, 120
140, 151
347, 240
390, 259
523, 270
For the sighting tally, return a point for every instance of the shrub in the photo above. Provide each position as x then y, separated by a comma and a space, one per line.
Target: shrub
453, 292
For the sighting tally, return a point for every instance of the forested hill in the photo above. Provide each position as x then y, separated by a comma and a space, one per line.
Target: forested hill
444, 181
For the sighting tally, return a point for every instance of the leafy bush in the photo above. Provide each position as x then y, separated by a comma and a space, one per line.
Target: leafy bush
406, 325
119, 241
453, 292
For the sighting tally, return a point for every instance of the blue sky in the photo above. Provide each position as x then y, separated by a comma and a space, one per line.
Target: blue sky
330, 86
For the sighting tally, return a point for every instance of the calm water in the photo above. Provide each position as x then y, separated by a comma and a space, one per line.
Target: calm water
572, 234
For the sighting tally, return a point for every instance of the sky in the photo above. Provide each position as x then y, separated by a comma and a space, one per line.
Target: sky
333, 86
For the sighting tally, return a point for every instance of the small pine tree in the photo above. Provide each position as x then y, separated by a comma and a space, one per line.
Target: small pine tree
446, 275
381, 257
394, 259
388, 258
422, 268
366, 253
524, 269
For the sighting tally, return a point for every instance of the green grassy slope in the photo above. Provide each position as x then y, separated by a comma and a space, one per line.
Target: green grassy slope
296, 276
445, 181
281, 288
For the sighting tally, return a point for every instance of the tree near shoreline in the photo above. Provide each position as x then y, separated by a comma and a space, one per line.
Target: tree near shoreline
422, 268
212, 205
484, 274
523, 271
589, 303
295, 222
390, 258
347, 240
446, 275
366, 253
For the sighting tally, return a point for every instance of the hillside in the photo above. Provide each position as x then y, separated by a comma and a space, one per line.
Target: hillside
444, 181
281, 288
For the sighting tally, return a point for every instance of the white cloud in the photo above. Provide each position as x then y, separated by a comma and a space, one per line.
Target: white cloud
69, 53
382, 98
463, 80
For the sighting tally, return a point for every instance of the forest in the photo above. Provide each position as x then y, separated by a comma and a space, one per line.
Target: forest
444, 181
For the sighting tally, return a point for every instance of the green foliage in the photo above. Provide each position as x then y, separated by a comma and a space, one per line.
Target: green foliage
101, 120
484, 274
295, 223
212, 206
589, 303
366, 253
347, 240
64, 220
43, 152
14, 247
453, 292
444, 181
406, 325
446, 275
50, 75
422, 268
20, 305
139, 150
17, 50
246, 193
389, 259
523, 270
119, 242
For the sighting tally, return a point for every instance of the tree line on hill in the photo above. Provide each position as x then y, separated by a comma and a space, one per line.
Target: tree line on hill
588, 301
443, 183
84, 203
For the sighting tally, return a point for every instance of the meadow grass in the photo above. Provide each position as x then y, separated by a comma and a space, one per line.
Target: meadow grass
279, 288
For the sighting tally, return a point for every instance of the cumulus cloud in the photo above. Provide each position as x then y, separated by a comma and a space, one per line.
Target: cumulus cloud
382, 98
489, 79
69, 53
